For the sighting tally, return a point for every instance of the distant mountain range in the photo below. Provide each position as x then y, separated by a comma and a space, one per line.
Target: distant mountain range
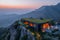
8, 11
52, 12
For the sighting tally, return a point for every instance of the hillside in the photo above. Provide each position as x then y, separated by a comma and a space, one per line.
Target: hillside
19, 32
16, 32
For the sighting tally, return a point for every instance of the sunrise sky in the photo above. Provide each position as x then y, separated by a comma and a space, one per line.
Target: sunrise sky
26, 3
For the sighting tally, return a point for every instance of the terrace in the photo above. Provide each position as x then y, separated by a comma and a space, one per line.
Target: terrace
38, 21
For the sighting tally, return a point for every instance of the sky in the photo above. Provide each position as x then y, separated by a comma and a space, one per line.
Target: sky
31, 4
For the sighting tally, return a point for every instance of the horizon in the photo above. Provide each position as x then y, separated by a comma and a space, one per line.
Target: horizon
23, 6
18, 11
26, 4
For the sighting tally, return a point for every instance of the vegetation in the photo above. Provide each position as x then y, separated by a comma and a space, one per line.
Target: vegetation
37, 20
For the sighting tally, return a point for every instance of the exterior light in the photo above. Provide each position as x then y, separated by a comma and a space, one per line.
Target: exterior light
48, 27
32, 33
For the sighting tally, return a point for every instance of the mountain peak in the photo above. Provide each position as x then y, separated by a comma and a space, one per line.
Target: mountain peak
58, 4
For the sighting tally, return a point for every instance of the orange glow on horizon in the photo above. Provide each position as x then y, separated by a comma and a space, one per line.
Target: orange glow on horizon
19, 6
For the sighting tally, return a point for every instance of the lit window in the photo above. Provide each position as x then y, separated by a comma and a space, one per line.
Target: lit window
45, 26
31, 24
25, 22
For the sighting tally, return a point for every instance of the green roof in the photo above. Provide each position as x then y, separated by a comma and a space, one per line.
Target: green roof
37, 20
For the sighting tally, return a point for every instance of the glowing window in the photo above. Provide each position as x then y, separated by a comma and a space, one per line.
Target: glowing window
31, 24
26, 23
45, 26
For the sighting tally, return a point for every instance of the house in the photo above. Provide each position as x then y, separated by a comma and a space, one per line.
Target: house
37, 24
